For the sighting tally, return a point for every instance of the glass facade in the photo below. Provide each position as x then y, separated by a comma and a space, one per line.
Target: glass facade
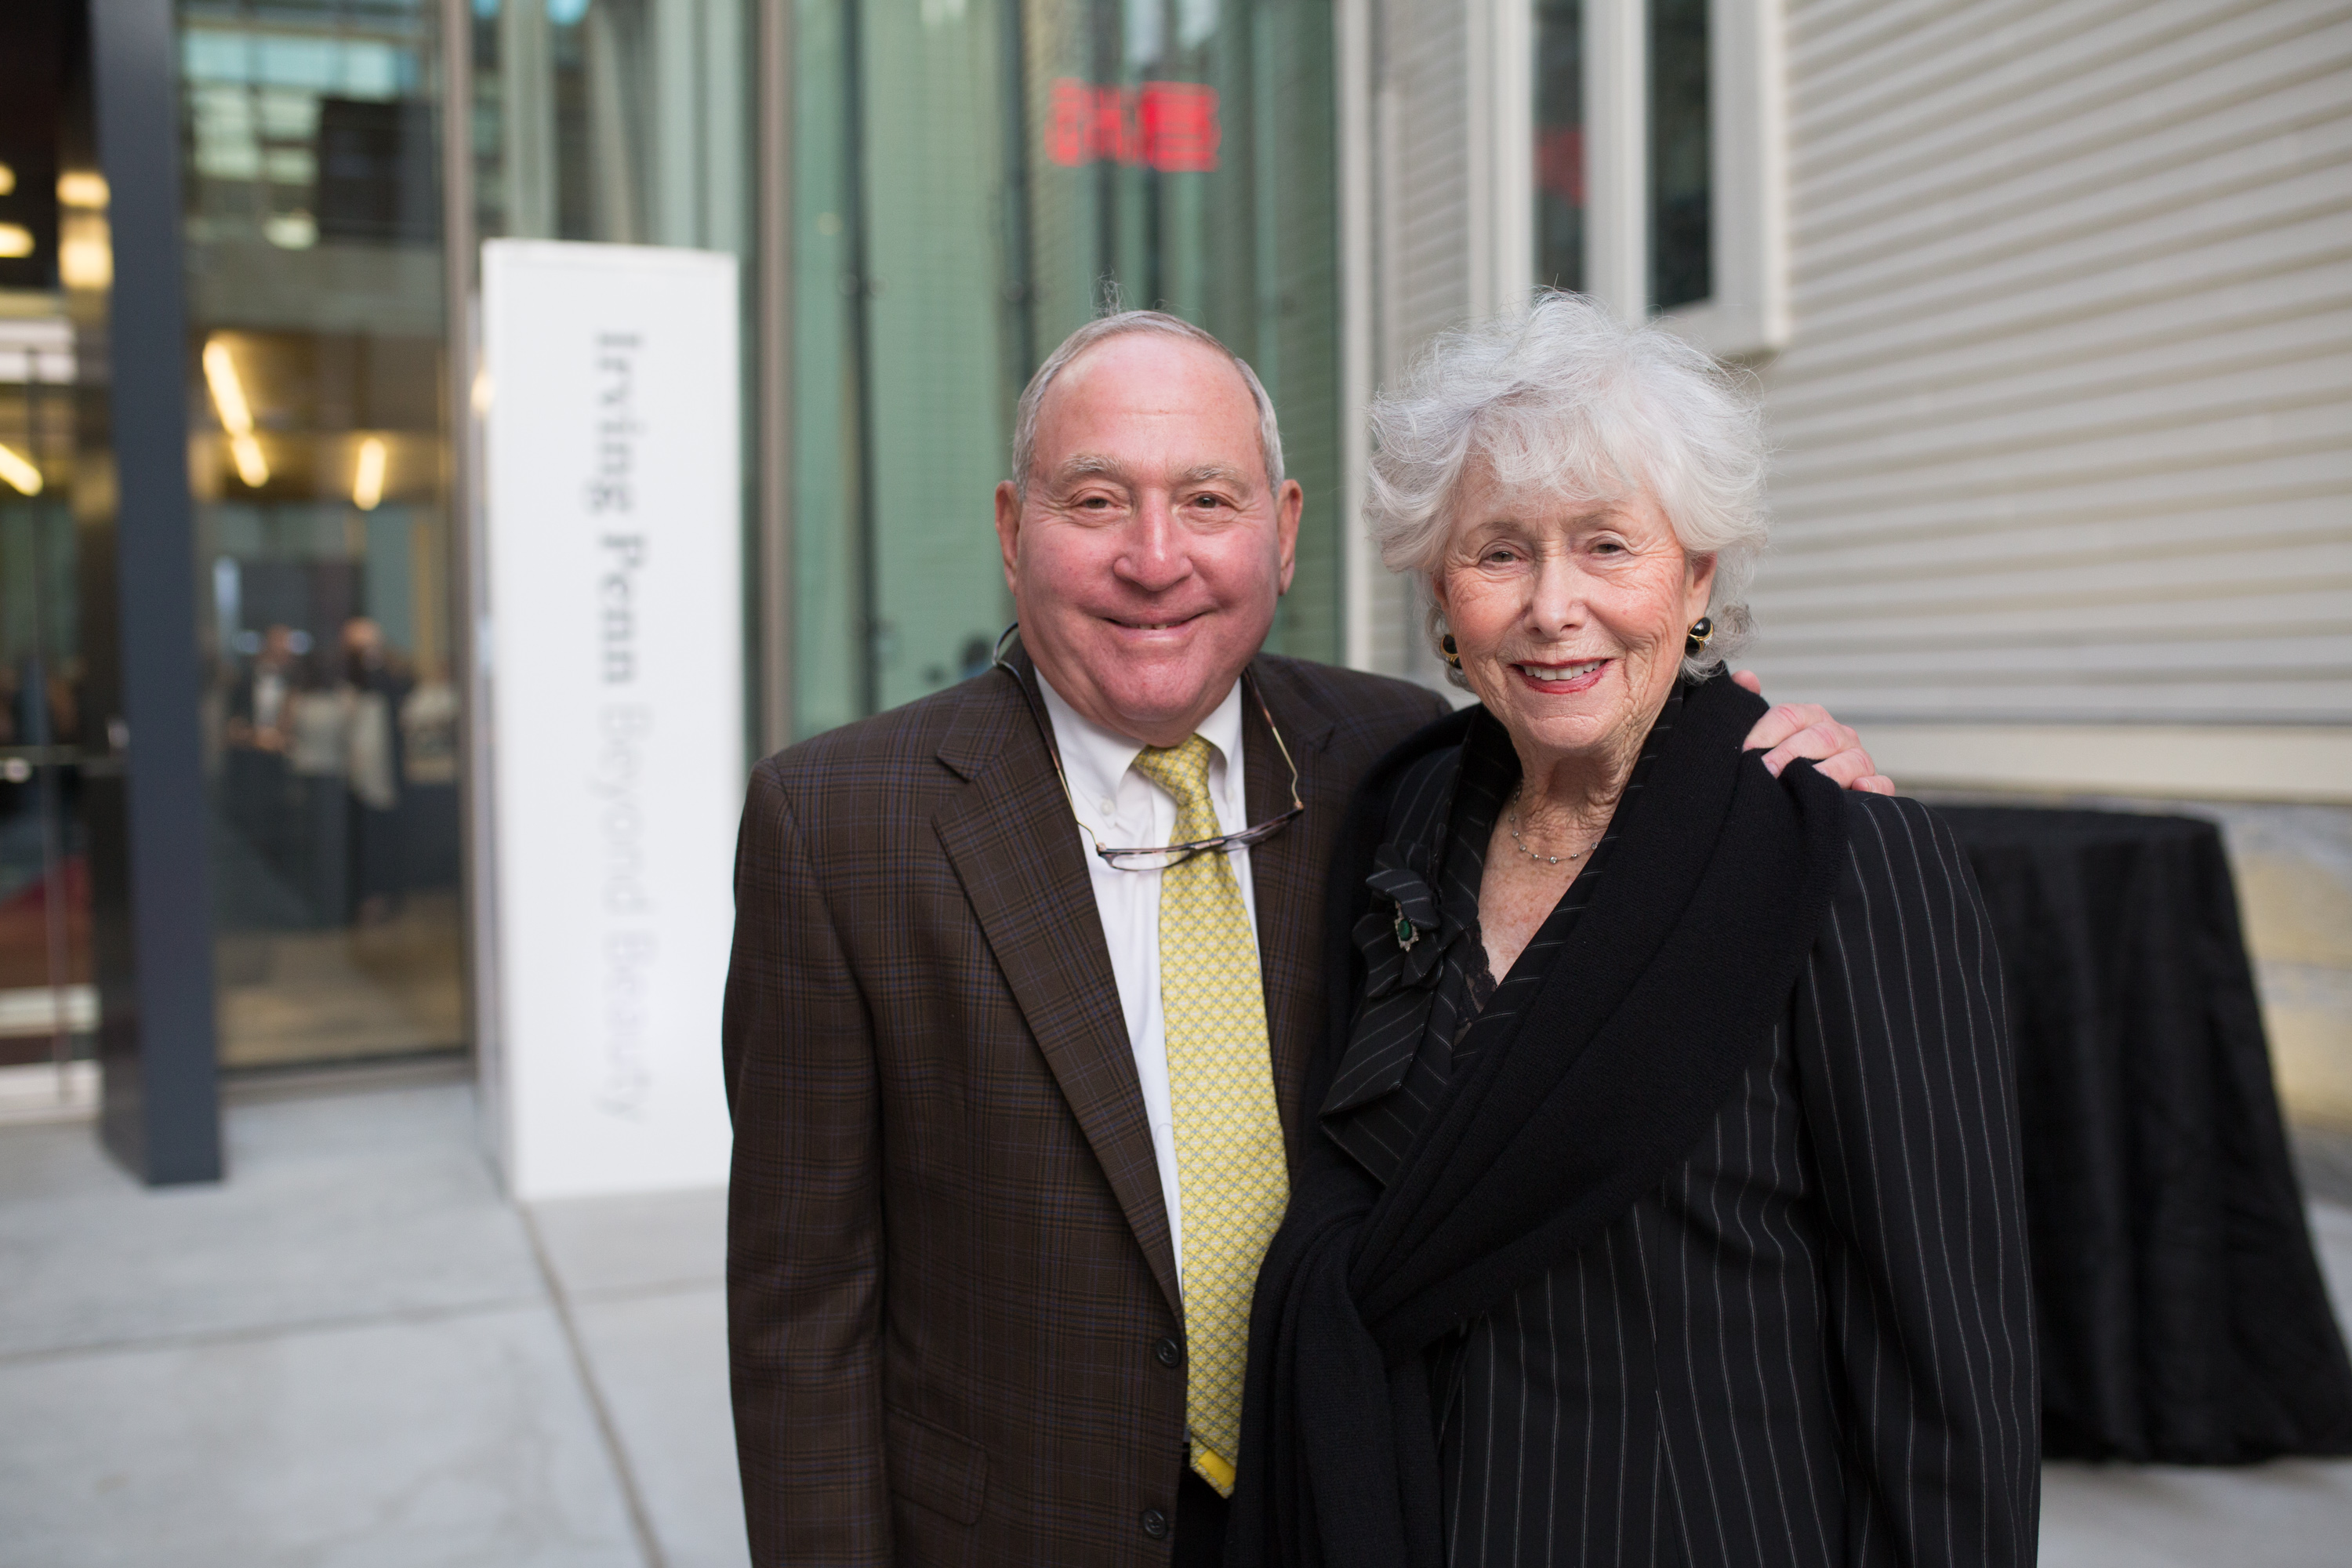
320, 447
53, 254
46, 1005
969, 180
972, 180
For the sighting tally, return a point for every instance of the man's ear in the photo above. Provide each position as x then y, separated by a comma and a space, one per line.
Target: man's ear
1289, 504
1008, 532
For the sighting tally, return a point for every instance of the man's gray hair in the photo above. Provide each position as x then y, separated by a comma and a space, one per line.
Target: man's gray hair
1118, 325
1562, 398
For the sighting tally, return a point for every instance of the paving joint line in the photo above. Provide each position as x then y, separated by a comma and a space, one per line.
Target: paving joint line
200, 1339
640, 1522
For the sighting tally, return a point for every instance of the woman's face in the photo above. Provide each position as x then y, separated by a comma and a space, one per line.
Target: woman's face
1568, 616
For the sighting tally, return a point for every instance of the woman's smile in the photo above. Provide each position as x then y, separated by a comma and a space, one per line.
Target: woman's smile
1563, 679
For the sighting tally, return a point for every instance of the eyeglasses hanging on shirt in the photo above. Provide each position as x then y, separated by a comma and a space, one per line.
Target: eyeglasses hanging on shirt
1166, 855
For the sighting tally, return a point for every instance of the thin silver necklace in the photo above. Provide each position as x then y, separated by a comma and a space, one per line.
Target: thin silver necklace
1540, 860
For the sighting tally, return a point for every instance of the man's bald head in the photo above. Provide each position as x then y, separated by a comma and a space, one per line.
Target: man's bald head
1124, 322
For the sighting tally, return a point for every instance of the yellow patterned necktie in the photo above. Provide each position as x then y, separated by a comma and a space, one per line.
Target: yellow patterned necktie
1230, 1172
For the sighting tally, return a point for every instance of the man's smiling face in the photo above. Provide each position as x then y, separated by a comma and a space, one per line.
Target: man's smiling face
1146, 556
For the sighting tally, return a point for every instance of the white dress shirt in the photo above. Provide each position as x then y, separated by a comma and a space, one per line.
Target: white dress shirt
1124, 810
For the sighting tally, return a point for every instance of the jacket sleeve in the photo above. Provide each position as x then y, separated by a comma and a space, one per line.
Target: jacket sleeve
805, 1221
1908, 1086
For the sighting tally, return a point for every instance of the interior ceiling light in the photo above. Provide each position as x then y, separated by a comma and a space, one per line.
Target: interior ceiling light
82, 188
290, 231
19, 472
236, 415
251, 465
7, 179
85, 254
367, 484
16, 240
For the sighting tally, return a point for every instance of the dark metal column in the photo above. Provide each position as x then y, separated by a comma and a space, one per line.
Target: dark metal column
147, 822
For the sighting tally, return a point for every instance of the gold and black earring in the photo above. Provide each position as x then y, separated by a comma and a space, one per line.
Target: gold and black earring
1695, 643
1453, 654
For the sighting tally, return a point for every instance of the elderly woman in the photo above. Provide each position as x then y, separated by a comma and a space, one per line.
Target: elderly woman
1662, 1206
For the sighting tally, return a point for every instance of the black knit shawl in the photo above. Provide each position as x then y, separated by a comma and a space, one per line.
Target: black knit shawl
1656, 1003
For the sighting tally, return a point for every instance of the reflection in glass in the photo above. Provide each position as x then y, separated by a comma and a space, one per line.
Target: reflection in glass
973, 180
1560, 143
47, 1005
318, 458
620, 121
625, 122
1681, 188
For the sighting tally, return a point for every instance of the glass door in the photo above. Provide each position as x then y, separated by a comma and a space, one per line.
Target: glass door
320, 461
48, 1009
50, 198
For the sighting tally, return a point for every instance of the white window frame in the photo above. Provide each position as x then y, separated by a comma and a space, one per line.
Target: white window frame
1747, 316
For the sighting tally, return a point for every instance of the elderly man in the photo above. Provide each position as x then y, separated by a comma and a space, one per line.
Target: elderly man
1024, 982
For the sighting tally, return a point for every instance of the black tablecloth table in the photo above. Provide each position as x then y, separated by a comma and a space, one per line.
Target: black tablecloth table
2183, 1315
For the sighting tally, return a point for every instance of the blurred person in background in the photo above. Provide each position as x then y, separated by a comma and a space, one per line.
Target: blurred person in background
1026, 979
318, 727
1660, 1199
255, 782
374, 686
429, 782
64, 688
257, 705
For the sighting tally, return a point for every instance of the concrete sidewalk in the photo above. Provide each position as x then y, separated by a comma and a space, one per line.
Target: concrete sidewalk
356, 1353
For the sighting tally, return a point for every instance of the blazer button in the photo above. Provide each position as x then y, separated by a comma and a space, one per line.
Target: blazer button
1155, 1524
1169, 1352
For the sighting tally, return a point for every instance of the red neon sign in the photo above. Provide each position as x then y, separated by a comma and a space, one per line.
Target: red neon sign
1171, 126
1559, 161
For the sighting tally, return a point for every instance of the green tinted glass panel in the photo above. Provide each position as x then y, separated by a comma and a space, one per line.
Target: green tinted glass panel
973, 180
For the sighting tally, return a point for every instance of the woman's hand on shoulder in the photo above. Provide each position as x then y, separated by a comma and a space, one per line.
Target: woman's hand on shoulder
1793, 729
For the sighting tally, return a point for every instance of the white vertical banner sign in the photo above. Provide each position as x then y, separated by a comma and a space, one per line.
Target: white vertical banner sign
613, 539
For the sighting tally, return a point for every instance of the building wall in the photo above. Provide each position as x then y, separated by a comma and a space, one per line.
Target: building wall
2065, 428
2062, 494
2063, 489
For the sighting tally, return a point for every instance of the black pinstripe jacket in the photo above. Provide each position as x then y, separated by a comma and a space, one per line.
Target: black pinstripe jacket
1812, 1343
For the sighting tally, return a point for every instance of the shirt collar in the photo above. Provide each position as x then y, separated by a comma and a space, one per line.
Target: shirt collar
1095, 760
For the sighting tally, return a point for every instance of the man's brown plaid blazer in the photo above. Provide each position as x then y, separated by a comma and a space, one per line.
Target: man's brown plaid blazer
953, 1303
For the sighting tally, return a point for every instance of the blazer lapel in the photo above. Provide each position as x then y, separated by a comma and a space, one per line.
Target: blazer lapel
1287, 875
1010, 837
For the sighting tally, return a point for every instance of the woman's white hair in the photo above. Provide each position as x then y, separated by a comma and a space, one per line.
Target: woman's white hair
1562, 398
